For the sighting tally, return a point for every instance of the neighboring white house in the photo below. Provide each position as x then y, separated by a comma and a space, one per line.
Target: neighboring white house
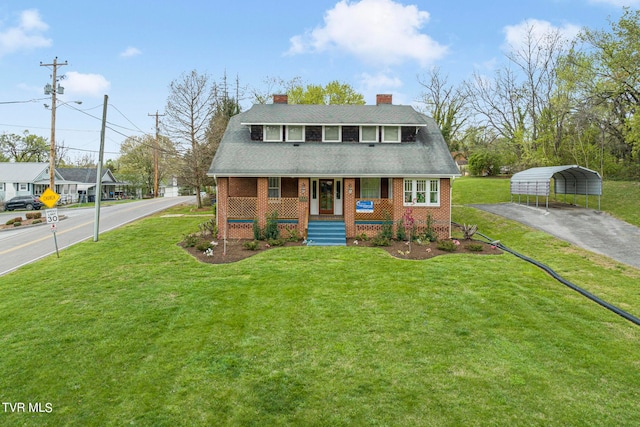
170, 189
27, 178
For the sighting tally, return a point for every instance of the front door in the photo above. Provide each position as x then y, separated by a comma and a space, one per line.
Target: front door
326, 197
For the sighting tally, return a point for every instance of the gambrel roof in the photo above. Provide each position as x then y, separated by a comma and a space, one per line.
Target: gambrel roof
239, 156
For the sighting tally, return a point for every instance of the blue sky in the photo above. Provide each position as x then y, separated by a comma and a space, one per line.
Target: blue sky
132, 50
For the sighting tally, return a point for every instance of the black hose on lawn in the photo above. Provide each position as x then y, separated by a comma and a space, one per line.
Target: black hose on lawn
560, 279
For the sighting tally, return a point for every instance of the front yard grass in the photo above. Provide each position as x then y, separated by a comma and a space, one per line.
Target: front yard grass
132, 330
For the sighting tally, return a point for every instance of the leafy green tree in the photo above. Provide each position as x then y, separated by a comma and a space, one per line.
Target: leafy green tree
484, 163
24, 148
136, 163
334, 93
612, 60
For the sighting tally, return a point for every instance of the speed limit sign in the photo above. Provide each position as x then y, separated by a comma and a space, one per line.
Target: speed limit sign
52, 216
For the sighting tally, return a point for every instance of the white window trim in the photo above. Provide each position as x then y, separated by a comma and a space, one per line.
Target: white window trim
264, 133
324, 135
278, 187
368, 140
414, 189
289, 139
23, 186
395, 141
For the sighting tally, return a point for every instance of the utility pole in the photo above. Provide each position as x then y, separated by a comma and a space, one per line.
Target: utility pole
51, 89
156, 149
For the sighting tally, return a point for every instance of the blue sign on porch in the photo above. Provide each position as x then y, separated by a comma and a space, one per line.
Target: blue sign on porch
364, 206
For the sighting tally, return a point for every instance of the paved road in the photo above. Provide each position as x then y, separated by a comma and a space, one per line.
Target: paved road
23, 246
592, 230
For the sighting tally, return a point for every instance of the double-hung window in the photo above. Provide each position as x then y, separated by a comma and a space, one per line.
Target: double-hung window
391, 134
368, 133
295, 133
422, 192
273, 133
331, 134
274, 187
369, 188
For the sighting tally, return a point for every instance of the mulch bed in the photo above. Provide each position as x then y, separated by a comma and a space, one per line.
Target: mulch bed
236, 252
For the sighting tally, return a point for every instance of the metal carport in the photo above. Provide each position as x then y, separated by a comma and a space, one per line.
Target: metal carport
569, 179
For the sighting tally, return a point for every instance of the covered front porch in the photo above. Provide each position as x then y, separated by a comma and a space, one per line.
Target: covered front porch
363, 204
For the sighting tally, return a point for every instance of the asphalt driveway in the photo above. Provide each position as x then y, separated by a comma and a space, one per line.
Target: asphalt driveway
592, 230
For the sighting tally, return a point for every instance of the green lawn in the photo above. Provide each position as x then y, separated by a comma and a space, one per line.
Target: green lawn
132, 330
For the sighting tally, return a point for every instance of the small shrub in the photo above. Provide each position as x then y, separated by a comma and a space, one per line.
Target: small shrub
294, 235
429, 232
275, 242
475, 247
17, 224
271, 229
363, 237
204, 246
401, 233
387, 226
36, 221
468, 231
257, 231
33, 215
190, 240
11, 221
380, 240
252, 245
447, 245
208, 227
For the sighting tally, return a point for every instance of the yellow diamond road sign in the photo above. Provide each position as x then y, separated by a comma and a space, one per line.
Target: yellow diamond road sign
49, 198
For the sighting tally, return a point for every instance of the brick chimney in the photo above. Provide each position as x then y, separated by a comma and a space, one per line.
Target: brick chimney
280, 99
383, 98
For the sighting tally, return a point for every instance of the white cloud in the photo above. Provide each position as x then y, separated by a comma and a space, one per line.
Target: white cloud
380, 81
381, 32
130, 51
85, 84
516, 35
27, 34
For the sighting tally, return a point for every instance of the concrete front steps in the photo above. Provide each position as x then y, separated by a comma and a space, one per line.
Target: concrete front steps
326, 233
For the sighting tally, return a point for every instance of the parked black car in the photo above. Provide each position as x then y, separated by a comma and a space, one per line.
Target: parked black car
23, 202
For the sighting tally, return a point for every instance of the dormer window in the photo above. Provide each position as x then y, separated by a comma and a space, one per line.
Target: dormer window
391, 134
295, 133
273, 133
368, 133
331, 134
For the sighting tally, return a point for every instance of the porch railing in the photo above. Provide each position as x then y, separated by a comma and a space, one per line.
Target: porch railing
380, 206
243, 207
287, 207
247, 207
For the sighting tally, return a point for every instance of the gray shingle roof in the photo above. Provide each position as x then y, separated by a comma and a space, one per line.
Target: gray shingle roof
85, 175
386, 114
239, 156
23, 171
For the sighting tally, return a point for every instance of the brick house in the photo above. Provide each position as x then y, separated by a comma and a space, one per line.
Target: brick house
356, 165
